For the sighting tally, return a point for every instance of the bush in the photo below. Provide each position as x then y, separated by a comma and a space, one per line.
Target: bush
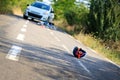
6, 6
78, 17
70, 16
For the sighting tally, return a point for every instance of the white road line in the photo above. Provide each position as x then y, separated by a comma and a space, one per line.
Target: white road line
112, 62
55, 36
80, 63
84, 67
20, 37
79, 41
70, 36
51, 33
48, 29
105, 58
14, 53
23, 29
25, 26
57, 39
27, 22
92, 50
66, 48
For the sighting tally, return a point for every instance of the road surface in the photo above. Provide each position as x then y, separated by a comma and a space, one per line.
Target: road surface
29, 51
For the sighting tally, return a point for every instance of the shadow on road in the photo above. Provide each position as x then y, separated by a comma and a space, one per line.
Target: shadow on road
51, 62
55, 63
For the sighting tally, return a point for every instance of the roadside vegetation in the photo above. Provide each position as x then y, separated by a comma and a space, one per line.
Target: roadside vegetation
97, 24
10, 6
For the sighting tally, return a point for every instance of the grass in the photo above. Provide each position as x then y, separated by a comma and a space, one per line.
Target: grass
96, 45
5, 11
111, 52
17, 11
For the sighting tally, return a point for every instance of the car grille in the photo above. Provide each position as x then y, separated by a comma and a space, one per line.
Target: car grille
34, 15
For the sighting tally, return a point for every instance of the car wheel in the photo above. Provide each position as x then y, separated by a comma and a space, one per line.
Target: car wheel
32, 19
25, 17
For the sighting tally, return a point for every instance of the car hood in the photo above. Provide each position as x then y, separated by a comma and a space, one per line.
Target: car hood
37, 10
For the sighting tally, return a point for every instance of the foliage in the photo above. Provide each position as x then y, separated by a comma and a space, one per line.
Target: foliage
104, 19
4, 8
75, 15
98, 47
10, 4
61, 6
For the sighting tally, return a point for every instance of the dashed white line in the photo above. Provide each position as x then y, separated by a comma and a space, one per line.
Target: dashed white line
25, 26
66, 48
14, 53
92, 50
84, 67
20, 37
55, 36
79, 41
23, 29
70, 36
51, 33
57, 39
80, 63
48, 29
27, 22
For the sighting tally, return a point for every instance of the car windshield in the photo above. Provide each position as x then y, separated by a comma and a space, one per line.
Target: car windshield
41, 5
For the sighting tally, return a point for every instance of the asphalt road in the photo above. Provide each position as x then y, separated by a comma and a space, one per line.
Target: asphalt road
29, 51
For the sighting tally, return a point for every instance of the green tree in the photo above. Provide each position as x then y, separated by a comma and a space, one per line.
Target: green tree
61, 6
4, 7
73, 12
8, 5
104, 18
77, 16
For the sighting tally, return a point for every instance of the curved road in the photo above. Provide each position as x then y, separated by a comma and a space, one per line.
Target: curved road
29, 51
